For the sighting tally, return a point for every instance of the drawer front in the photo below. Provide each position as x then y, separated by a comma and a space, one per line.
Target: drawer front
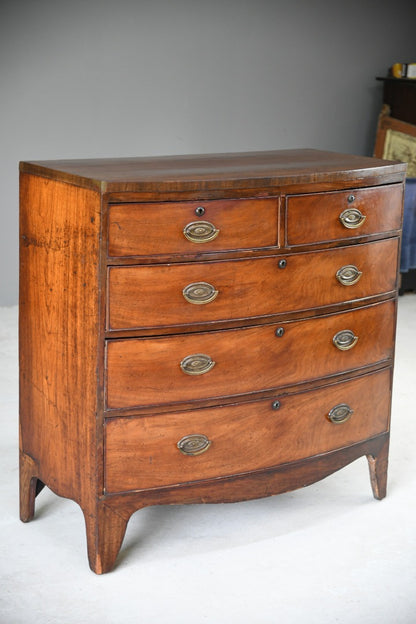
158, 296
152, 371
323, 217
192, 227
142, 452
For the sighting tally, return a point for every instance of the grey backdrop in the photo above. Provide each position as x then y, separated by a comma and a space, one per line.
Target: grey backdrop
92, 78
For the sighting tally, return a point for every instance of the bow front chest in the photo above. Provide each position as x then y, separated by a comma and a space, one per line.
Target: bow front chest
203, 328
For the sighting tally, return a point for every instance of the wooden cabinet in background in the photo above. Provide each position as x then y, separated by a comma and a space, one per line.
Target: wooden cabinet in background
203, 328
399, 94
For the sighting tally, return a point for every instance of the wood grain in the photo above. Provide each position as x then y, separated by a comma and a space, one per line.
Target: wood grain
59, 334
142, 453
378, 464
155, 229
205, 172
96, 328
314, 218
147, 371
151, 296
242, 487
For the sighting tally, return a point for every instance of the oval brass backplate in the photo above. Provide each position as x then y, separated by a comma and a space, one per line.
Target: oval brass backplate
348, 275
194, 444
345, 340
340, 413
197, 364
352, 218
200, 231
199, 293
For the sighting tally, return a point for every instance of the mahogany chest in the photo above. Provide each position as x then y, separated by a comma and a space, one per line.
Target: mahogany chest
203, 328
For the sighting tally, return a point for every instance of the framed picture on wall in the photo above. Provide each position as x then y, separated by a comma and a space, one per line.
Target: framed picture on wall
396, 140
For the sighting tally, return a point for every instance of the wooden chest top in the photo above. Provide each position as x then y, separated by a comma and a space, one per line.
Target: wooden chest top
215, 171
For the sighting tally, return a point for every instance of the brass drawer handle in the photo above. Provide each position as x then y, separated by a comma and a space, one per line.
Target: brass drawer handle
197, 364
199, 293
348, 275
345, 340
194, 444
352, 218
200, 231
340, 413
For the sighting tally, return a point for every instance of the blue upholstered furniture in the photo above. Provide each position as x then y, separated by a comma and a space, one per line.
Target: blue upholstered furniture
408, 254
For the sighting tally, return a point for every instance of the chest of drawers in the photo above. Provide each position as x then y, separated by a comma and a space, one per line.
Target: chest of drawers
203, 328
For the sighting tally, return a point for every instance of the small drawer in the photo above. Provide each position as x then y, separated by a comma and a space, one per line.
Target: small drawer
157, 229
196, 293
324, 217
182, 447
213, 365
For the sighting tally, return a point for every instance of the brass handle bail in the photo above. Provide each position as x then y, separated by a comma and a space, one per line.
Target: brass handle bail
197, 364
340, 413
352, 218
345, 340
199, 293
200, 231
194, 444
348, 275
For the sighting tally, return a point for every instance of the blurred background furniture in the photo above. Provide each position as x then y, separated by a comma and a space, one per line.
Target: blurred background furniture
399, 94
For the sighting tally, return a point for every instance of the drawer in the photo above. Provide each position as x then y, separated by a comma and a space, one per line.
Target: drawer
142, 452
323, 217
217, 364
194, 293
154, 229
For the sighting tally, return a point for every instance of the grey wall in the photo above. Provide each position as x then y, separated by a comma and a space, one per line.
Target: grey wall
92, 78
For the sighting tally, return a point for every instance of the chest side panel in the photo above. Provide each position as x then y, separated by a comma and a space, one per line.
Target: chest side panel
59, 331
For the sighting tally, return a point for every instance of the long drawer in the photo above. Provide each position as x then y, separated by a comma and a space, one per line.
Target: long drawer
152, 371
143, 452
179, 294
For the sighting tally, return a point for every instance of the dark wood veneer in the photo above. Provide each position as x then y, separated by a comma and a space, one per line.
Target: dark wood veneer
257, 170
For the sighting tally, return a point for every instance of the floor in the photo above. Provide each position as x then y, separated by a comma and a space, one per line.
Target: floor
325, 554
